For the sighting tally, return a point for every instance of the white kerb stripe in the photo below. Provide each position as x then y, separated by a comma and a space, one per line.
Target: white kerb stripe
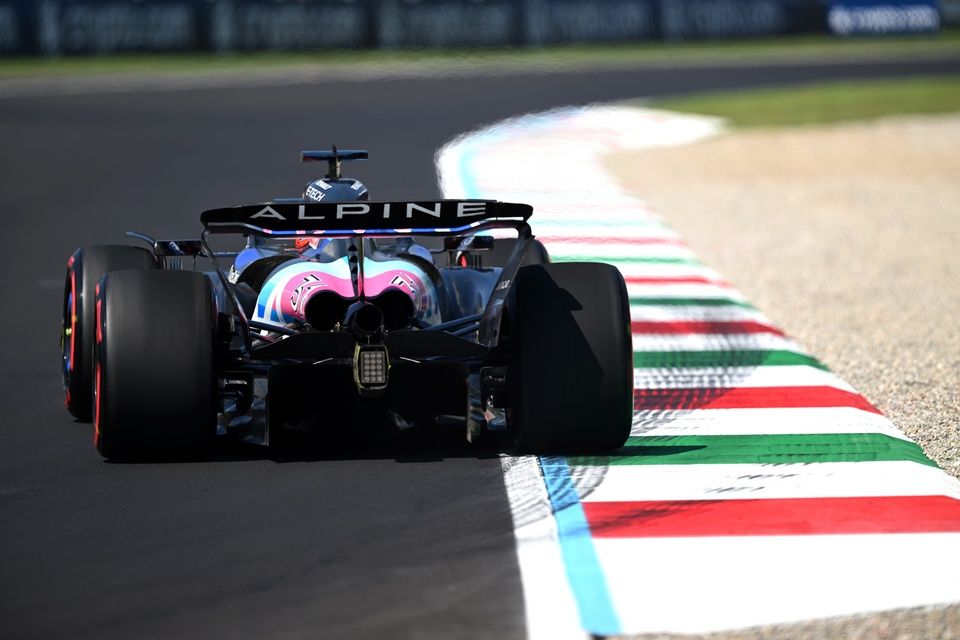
758, 580
748, 422
546, 587
729, 377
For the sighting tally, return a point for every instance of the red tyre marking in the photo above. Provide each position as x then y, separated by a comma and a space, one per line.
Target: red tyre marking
73, 313
97, 374
73, 327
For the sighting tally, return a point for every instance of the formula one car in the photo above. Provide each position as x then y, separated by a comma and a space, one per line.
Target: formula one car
339, 311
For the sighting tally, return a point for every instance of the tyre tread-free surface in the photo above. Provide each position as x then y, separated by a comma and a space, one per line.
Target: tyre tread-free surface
571, 375
155, 360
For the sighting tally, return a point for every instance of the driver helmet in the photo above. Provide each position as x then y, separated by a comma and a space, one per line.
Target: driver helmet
335, 190
329, 190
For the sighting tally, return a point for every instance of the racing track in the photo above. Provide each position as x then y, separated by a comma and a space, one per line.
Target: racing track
381, 542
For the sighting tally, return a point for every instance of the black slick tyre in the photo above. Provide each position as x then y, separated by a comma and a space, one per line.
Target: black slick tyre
155, 377
84, 270
571, 370
504, 247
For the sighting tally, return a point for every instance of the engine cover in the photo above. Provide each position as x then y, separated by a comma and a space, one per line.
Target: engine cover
305, 290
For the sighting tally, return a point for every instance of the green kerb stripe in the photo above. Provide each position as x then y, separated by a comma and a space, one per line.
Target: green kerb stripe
760, 449
625, 260
691, 302
722, 359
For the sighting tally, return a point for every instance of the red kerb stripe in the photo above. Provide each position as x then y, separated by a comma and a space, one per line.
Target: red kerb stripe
642, 280
700, 326
747, 398
791, 516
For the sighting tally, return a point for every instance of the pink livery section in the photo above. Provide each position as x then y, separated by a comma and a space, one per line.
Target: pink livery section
319, 293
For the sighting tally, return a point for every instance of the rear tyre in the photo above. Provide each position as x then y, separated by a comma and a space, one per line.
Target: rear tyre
571, 375
155, 379
537, 254
84, 270
503, 249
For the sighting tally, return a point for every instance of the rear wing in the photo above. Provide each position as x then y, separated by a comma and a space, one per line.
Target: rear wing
435, 217
333, 158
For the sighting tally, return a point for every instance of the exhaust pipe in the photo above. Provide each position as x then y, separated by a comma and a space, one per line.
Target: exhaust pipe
365, 320
325, 309
397, 308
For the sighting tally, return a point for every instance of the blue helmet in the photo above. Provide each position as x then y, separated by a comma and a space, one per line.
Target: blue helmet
335, 190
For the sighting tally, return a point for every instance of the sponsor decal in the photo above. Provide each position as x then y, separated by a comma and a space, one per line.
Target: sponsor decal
310, 282
440, 23
722, 18
53, 27
9, 31
267, 212
244, 25
403, 281
950, 13
103, 27
872, 17
315, 194
380, 210
578, 21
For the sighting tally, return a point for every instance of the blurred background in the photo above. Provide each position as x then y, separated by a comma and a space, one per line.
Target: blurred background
57, 27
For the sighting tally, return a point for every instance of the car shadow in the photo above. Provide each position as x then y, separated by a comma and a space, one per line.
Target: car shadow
415, 445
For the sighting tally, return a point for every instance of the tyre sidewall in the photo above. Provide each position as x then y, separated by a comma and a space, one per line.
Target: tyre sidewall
84, 269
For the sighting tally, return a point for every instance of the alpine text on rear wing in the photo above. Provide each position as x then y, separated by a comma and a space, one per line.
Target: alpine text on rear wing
343, 218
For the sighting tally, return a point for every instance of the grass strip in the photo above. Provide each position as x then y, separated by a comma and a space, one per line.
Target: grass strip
826, 102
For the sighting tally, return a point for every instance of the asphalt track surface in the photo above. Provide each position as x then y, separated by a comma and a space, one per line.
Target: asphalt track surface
370, 540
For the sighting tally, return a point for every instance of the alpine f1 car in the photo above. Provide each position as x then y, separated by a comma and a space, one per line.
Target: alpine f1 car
338, 311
